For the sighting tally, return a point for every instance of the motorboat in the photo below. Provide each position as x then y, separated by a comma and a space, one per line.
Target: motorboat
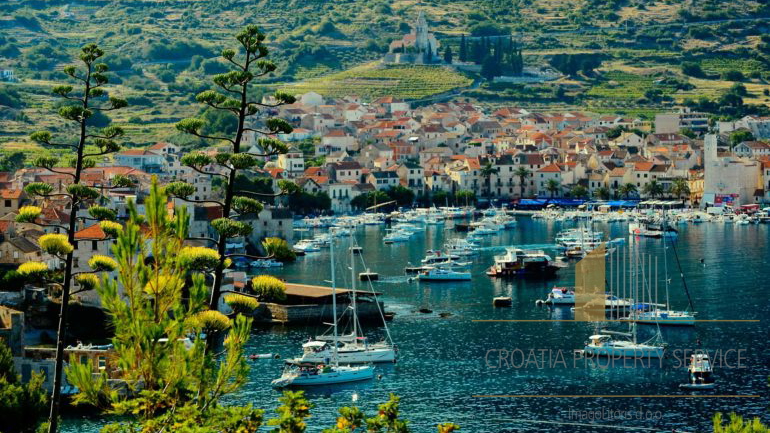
396, 237
306, 246
436, 256
518, 262
561, 296
266, 263
701, 373
461, 247
443, 274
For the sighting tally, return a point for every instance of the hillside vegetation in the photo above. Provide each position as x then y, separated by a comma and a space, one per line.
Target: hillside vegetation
649, 54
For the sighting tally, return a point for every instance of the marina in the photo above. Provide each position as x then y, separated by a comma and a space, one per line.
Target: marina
446, 325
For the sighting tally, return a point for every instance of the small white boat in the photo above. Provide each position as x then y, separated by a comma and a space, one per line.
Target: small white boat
306, 246
443, 274
267, 263
438, 257
395, 237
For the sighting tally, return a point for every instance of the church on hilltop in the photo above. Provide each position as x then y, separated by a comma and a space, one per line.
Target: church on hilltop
418, 47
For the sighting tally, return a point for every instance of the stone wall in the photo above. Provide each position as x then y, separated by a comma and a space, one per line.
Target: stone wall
12, 329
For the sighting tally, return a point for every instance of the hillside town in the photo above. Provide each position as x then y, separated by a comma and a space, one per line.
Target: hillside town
344, 148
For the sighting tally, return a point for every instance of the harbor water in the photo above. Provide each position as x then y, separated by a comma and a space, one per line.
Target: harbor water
454, 367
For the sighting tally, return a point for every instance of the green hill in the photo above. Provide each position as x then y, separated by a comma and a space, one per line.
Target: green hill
164, 52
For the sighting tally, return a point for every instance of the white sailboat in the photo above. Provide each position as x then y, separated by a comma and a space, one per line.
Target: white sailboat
625, 344
314, 374
353, 348
664, 315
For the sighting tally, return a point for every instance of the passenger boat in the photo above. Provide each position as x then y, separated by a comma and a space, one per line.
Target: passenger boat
701, 373
518, 262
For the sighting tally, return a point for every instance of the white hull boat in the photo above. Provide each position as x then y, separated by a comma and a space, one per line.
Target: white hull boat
355, 353
604, 345
298, 375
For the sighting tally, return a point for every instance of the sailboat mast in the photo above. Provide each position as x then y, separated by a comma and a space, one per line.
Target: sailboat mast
334, 298
353, 286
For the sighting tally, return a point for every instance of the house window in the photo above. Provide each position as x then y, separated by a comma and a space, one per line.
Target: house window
7, 203
94, 245
83, 359
102, 362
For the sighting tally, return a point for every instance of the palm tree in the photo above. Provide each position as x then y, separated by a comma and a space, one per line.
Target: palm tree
627, 189
553, 186
486, 172
680, 188
579, 191
602, 193
522, 173
653, 189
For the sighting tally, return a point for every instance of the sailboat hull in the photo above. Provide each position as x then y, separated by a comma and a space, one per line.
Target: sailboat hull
354, 356
624, 351
336, 375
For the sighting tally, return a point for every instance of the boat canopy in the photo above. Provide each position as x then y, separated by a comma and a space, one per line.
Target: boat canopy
599, 337
318, 344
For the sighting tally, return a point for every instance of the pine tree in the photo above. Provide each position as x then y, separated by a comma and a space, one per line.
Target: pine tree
22, 406
82, 104
448, 55
489, 68
234, 98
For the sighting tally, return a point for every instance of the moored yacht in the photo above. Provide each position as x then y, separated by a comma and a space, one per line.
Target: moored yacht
443, 273
607, 345
518, 262
330, 371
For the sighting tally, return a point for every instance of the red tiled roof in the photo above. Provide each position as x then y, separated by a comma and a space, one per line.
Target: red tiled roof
92, 232
553, 168
10, 194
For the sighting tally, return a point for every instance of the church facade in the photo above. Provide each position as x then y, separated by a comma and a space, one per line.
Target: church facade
418, 47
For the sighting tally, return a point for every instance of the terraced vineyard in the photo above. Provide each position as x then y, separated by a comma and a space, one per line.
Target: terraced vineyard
624, 85
722, 64
374, 80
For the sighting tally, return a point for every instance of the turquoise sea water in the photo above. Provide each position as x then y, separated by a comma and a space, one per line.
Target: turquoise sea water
444, 371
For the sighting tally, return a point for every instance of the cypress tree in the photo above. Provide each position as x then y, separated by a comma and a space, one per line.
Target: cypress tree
448, 55
463, 49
